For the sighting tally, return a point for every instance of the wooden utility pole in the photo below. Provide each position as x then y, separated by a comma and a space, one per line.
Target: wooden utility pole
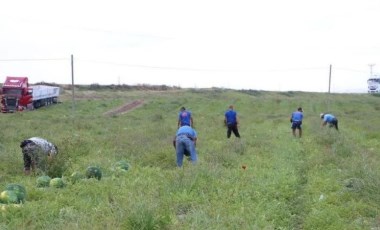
330, 78
72, 81
371, 66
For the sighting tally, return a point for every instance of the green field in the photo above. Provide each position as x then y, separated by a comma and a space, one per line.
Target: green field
325, 180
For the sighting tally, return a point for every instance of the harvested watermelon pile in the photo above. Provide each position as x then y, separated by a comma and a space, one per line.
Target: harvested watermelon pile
15, 194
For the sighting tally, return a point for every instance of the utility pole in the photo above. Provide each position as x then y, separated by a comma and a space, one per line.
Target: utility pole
370, 67
72, 80
330, 78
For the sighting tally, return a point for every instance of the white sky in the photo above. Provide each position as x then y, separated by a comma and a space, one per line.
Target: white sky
240, 44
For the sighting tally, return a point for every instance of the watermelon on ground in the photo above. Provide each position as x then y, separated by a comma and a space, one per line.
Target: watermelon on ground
9, 197
6, 207
123, 165
19, 190
43, 181
94, 172
75, 177
57, 182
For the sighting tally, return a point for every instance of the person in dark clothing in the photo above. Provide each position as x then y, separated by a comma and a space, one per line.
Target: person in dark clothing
36, 152
231, 120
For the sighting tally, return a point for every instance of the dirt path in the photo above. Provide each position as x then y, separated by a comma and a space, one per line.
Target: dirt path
125, 108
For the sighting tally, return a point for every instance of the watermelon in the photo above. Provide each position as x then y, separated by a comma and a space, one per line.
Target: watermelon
9, 197
6, 207
19, 190
75, 177
43, 181
94, 172
122, 165
57, 183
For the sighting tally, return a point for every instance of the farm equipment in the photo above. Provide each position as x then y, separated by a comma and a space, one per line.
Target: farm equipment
18, 95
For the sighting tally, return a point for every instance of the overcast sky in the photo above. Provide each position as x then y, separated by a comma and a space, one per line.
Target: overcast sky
240, 44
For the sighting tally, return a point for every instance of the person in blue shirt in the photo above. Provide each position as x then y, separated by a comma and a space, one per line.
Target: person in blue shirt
231, 120
329, 119
185, 142
296, 120
185, 118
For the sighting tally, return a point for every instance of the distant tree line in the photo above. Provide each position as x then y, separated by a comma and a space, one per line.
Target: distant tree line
96, 86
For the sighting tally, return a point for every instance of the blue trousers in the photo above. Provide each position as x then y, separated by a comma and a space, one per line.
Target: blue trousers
185, 145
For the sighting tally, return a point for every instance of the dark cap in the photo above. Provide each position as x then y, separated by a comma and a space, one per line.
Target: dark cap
183, 108
24, 143
300, 109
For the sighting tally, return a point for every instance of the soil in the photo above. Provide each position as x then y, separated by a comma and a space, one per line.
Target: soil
125, 108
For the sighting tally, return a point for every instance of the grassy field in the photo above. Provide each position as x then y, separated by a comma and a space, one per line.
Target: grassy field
325, 180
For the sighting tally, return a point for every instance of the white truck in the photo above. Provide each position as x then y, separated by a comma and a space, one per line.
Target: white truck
374, 84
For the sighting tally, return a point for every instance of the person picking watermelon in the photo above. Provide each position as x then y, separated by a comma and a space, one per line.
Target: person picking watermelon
36, 152
185, 142
329, 119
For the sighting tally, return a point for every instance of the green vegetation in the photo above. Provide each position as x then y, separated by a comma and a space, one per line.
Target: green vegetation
266, 180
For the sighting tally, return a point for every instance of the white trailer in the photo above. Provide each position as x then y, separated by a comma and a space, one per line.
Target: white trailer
43, 95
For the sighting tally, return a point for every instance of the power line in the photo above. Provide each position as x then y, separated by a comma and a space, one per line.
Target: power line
351, 70
154, 67
33, 59
203, 69
177, 68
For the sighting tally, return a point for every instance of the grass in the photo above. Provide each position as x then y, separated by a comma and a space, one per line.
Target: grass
325, 180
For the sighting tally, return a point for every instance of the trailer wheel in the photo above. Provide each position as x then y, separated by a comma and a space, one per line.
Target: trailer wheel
36, 104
